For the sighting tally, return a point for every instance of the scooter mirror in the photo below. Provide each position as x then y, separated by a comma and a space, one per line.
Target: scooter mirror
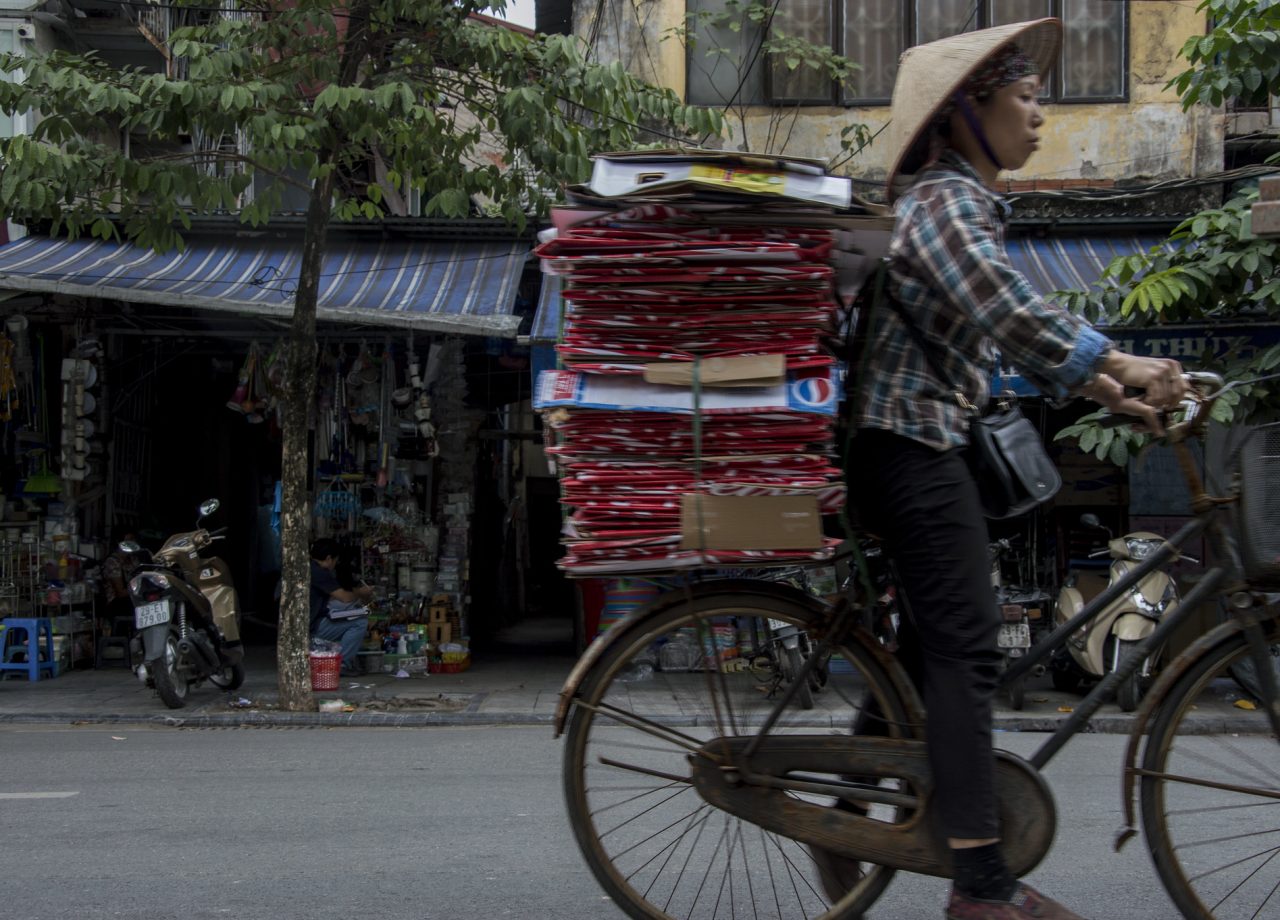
1090, 520
128, 546
207, 508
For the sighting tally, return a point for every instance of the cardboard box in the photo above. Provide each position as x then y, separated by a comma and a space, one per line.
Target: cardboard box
749, 371
439, 633
750, 522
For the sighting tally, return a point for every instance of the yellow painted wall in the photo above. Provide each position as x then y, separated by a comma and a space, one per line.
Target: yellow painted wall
1148, 137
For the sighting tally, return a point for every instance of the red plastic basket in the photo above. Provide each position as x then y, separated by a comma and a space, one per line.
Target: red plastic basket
324, 670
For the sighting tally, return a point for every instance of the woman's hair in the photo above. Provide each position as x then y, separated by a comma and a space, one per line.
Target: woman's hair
325, 547
1007, 66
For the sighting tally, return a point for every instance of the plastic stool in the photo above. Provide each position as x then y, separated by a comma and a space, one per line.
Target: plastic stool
120, 637
33, 630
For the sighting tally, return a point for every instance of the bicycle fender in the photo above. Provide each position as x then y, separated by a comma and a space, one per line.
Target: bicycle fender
1150, 704
620, 631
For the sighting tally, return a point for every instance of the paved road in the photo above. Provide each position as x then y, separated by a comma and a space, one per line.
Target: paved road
394, 824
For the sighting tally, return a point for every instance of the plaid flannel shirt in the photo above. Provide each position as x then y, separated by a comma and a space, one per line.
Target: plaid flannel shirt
949, 271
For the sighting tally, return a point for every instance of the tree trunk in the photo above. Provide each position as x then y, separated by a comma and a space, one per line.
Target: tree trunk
295, 511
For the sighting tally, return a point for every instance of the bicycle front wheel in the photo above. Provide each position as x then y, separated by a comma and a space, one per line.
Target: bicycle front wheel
1211, 798
656, 846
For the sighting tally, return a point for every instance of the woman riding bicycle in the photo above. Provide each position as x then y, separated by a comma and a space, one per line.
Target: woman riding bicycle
965, 108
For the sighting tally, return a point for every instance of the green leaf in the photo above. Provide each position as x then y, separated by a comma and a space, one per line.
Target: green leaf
1088, 439
1119, 452
1105, 437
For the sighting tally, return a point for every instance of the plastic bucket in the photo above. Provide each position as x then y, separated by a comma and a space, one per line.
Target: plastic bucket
324, 670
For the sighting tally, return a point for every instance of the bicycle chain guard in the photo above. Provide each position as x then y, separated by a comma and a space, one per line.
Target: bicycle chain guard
1028, 816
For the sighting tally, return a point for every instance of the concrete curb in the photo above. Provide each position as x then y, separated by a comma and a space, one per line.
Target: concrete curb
283, 719
1110, 725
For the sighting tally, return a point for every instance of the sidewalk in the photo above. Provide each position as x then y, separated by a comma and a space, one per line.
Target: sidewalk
513, 682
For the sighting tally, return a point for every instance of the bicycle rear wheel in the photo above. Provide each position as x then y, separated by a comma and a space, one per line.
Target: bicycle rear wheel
656, 846
1211, 798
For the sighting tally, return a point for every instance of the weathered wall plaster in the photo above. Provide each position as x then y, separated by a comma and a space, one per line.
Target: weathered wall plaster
1148, 137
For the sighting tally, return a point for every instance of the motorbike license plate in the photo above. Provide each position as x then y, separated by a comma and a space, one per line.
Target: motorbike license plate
152, 614
1014, 635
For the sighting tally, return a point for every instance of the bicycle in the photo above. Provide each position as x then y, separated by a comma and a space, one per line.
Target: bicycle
692, 796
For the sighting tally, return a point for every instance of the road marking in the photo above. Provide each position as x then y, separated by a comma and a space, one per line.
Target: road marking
37, 795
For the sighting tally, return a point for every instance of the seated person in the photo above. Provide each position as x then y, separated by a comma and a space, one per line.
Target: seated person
328, 595
115, 572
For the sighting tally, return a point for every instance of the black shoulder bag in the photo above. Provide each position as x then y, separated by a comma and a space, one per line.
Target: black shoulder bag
1006, 454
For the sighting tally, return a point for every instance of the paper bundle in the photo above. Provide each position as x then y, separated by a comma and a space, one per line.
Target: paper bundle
692, 417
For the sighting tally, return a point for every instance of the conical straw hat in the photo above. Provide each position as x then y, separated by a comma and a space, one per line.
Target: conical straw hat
929, 75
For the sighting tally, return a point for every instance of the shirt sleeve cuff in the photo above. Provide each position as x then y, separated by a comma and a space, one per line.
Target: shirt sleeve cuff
1090, 346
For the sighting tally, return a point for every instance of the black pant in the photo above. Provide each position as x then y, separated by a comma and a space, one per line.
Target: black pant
924, 505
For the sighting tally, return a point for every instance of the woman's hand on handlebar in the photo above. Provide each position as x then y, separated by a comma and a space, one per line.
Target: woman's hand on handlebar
1160, 378
1109, 393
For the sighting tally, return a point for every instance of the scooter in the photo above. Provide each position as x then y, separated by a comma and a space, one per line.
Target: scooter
1022, 611
790, 647
187, 616
1096, 649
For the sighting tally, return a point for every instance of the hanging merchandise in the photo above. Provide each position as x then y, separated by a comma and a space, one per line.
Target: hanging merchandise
41, 482
78, 375
250, 396
241, 393
258, 391
338, 505
9, 398
274, 371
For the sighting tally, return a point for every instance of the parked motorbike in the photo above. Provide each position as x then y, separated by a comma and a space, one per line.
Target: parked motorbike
789, 646
1022, 609
1097, 648
187, 616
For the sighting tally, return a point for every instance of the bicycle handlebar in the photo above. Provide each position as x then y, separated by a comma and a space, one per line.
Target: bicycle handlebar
1206, 387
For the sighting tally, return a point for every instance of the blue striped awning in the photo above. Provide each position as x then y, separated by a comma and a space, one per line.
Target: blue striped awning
1050, 264
546, 320
465, 286
1072, 263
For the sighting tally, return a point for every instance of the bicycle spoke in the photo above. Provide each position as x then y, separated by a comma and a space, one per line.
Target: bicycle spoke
609, 762
1200, 811
711, 864
646, 811
670, 849
1226, 839
635, 798
792, 871
1245, 880
1185, 780
1234, 863
1222, 767
647, 725
702, 824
